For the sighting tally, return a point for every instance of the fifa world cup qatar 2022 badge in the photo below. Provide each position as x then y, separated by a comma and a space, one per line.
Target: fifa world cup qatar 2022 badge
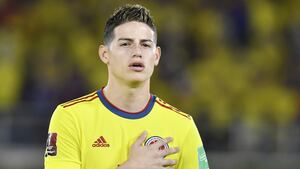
51, 148
154, 139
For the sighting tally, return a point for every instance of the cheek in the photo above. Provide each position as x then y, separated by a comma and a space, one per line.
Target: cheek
119, 58
151, 64
118, 64
153, 60
115, 64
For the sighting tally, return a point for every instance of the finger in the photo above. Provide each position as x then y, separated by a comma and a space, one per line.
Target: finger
140, 139
161, 142
168, 162
169, 151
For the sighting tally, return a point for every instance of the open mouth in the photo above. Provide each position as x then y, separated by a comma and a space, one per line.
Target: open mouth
137, 66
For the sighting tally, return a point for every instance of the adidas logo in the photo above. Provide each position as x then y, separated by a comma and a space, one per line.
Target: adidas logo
100, 142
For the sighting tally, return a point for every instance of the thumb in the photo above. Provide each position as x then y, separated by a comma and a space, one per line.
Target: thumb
139, 141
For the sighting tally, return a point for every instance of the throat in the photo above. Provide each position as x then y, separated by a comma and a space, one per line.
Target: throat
134, 105
130, 101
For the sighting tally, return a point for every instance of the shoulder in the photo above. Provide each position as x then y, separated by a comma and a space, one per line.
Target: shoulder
80, 101
76, 108
171, 109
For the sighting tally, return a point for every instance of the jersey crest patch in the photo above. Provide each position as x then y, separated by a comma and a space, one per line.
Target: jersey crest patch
51, 148
154, 139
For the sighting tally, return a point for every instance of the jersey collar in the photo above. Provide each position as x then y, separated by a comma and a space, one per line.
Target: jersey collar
125, 114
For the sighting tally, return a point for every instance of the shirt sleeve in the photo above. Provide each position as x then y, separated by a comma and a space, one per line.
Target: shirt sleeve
192, 151
63, 144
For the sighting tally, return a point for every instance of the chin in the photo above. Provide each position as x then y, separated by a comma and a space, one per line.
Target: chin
138, 80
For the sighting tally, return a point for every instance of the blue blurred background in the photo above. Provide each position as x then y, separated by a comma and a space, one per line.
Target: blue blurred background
232, 64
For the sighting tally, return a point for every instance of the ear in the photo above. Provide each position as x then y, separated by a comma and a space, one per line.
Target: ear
103, 54
157, 55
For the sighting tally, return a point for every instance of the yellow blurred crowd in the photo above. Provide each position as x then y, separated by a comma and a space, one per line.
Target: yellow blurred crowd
228, 60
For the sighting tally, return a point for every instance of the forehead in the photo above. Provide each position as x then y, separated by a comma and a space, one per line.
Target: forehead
134, 30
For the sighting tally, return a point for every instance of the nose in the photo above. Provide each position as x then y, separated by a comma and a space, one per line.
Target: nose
136, 51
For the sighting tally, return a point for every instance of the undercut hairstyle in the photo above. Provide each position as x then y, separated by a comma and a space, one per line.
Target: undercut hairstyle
125, 14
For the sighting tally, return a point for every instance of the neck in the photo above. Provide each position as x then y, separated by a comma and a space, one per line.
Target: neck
128, 98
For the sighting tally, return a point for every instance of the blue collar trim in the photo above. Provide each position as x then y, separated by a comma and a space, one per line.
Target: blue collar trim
123, 113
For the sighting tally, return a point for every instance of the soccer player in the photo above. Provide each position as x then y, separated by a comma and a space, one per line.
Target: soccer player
123, 125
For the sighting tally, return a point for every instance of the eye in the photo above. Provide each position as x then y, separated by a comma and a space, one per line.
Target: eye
124, 44
146, 45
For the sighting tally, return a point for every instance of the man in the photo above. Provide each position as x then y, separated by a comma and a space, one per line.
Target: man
122, 125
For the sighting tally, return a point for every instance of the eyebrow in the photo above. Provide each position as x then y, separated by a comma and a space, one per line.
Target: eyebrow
131, 40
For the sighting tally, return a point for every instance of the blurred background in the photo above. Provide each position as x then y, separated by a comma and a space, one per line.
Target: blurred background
234, 65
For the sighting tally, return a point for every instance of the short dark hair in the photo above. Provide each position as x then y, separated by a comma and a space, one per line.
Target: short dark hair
125, 14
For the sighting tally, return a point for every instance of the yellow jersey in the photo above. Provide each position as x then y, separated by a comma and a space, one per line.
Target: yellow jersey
92, 133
